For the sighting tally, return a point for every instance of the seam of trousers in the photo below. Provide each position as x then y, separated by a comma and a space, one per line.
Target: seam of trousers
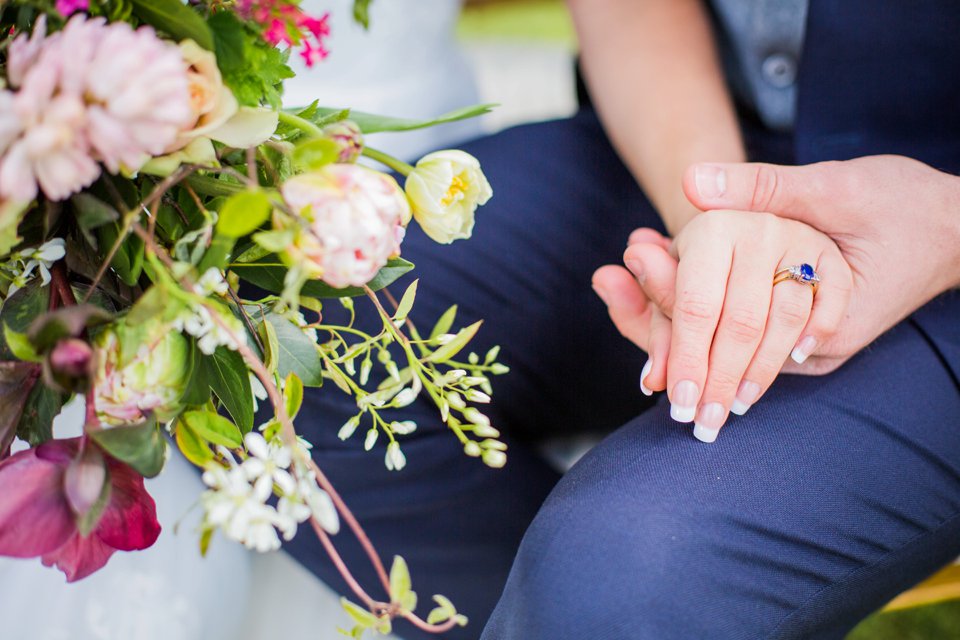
892, 555
936, 350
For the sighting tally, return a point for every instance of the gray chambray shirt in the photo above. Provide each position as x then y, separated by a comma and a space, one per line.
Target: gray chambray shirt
761, 42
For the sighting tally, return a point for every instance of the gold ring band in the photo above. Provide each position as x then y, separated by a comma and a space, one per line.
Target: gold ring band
802, 273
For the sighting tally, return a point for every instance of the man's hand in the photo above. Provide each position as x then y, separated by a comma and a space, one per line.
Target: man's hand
896, 221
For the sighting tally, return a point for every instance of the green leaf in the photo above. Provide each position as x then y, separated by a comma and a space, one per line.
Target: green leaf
452, 348
218, 253
205, 537
20, 345
213, 428
128, 260
361, 12
271, 346
268, 274
372, 123
243, 213
444, 323
275, 241
141, 446
191, 446
406, 302
20, 310
230, 381
438, 615
296, 352
36, 421
17, 380
197, 390
314, 154
359, 615
92, 212
292, 395
176, 19
400, 584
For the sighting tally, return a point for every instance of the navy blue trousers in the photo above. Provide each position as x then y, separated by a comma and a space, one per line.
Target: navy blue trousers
829, 497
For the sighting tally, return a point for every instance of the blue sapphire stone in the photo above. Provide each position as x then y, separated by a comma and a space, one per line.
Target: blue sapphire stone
807, 273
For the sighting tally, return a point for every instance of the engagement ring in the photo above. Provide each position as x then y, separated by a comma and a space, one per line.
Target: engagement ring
802, 273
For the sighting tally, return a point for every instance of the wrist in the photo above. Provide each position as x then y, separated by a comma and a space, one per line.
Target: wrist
952, 215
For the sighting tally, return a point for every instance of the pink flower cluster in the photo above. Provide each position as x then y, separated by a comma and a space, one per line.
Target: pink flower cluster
92, 93
69, 7
286, 24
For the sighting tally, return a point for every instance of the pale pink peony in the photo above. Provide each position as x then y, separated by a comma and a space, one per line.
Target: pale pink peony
355, 222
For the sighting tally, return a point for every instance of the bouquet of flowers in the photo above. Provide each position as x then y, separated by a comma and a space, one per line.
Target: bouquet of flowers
147, 171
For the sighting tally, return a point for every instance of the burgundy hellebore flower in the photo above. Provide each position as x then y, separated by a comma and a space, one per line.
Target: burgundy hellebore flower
36, 518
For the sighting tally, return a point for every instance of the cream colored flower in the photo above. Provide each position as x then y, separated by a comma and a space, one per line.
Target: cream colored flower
445, 189
216, 116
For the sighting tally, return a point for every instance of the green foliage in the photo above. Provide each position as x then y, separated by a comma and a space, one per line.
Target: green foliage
252, 68
36, 421
176, 19
228, 378
361, 12
213, 428
400, 585
17, 381
372, 123
269, 274
296, 353
314, 154
243, 213
142, 446
19, 311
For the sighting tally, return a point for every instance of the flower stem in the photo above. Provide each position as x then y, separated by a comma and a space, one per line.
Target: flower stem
213, 187
302, 124
386, 159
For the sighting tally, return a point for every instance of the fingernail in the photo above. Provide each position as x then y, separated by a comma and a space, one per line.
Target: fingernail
709, 420
602, 294
747, 394
636, 268
643, 376
635, 237
803, 350
683, 403
711, 181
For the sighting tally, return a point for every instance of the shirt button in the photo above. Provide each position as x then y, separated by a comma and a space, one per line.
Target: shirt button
779, 70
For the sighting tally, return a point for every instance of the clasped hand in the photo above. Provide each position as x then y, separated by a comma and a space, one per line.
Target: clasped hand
704, 307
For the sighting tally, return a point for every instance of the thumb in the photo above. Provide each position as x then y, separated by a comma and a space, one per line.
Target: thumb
789, 192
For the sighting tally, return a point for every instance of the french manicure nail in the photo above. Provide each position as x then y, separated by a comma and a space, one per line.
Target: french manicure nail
683, 403
602, 294
643, 376
747, 394
803, 350
636, 267
708, 423
711, 181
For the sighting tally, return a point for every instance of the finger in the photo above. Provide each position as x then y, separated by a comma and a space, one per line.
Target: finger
626, 303
654, 375
656, 271
792, 192
646, 235
739, 332
700, 290
790, 308
829, 305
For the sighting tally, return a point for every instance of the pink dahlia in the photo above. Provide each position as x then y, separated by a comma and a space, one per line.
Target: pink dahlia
93, 92
37, 516
355, 222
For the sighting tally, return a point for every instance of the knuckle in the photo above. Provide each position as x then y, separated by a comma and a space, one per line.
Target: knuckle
744, 325
793, 313
723, 380
696, 310
765, 187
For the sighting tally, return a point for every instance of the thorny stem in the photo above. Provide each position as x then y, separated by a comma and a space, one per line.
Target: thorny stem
290, 437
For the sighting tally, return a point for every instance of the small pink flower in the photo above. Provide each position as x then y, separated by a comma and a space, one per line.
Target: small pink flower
356, 217
36, 518
69, 7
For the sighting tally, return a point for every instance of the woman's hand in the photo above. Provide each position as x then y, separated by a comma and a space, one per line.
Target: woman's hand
731, 329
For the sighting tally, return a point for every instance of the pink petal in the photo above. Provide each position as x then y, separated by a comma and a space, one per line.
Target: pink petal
129, 522
79, 557
34, 516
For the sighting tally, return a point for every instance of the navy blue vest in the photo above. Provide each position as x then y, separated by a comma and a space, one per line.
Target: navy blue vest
880, 76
